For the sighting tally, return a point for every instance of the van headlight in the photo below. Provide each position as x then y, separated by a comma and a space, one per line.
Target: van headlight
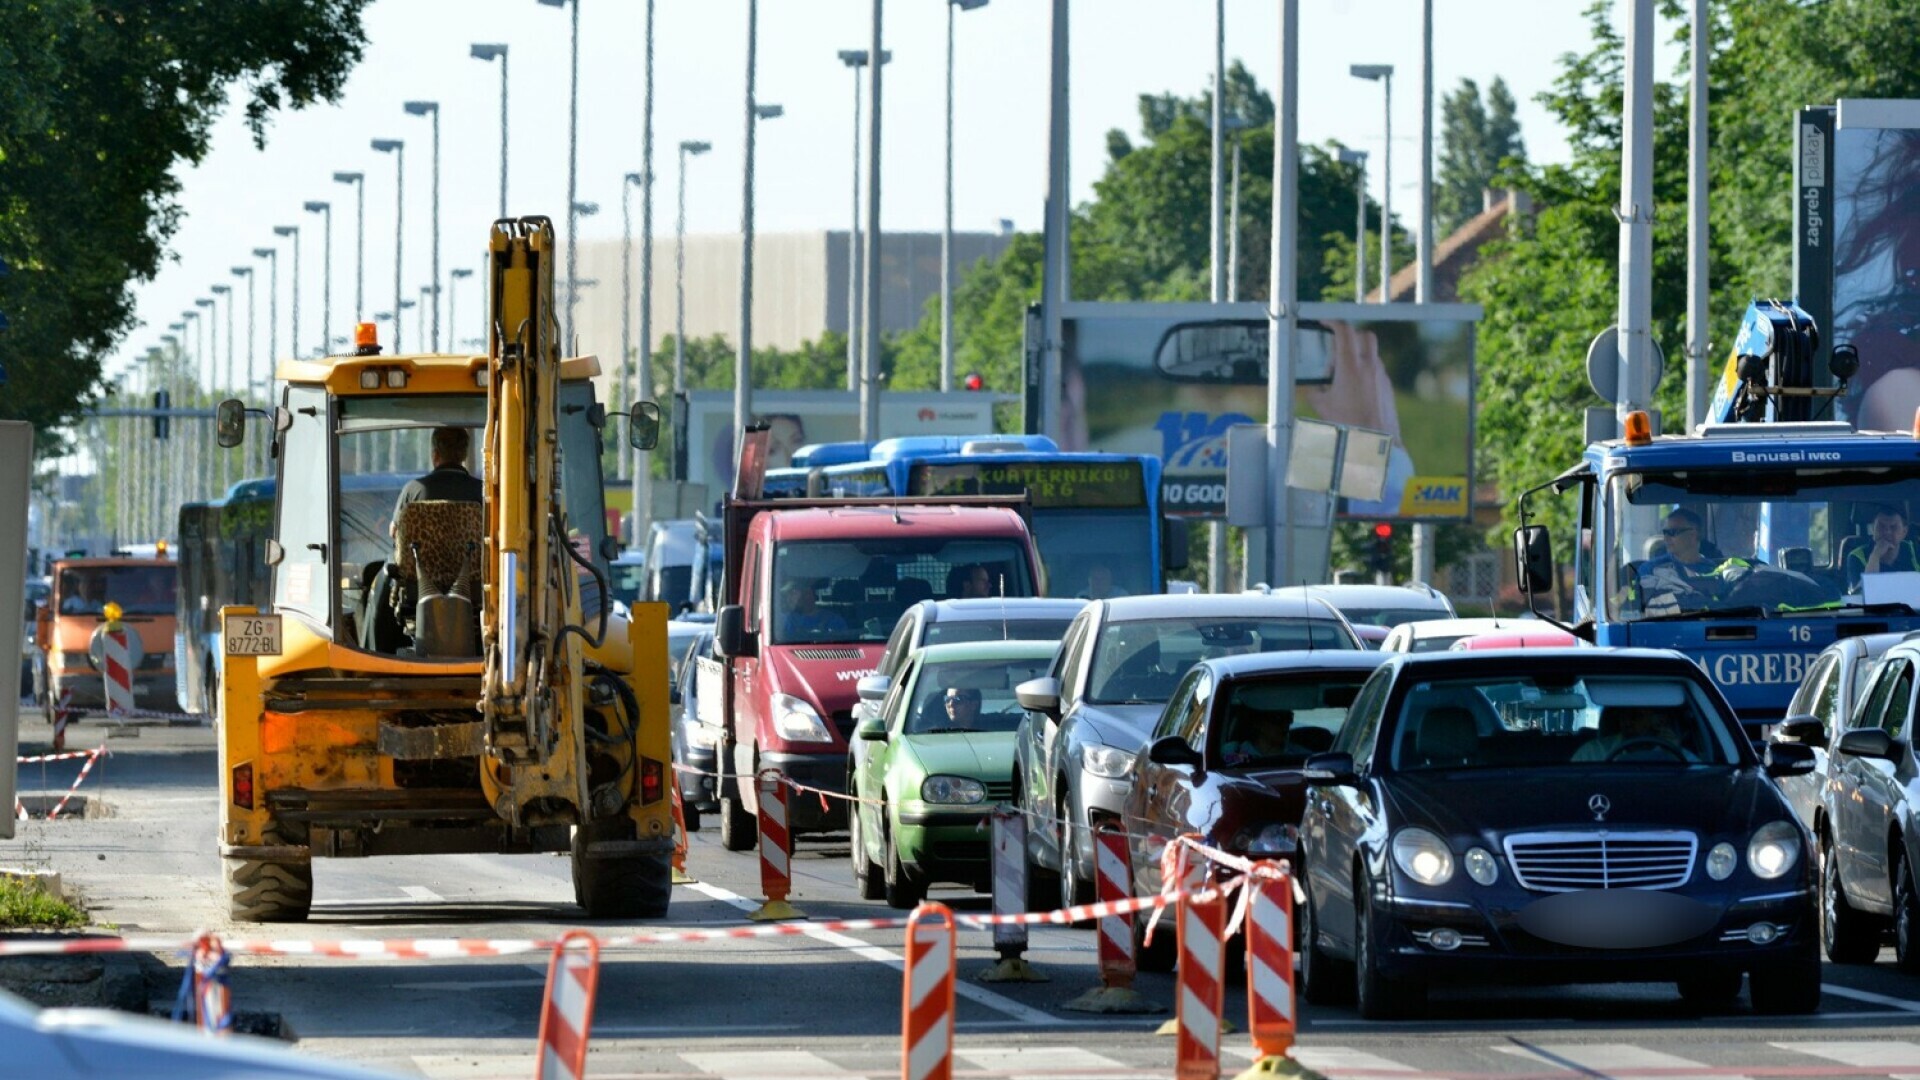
796, 721
1773, 849
952, 789
1105, 761
1423, 856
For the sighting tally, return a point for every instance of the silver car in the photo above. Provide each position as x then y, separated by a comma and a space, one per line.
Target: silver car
1092, 712
1834, 683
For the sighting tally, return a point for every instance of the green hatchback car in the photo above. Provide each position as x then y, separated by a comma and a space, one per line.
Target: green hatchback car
930, 768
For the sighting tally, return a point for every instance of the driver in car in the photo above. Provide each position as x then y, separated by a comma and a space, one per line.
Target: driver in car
804, 617
1636, 733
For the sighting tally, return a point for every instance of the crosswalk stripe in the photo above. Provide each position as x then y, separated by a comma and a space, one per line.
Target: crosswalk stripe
1053, 1062
1875, 1054
1602, 1057
1331, 1059
763, 1064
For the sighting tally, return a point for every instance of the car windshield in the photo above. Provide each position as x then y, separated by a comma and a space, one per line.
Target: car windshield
855, 590
969, 695
139, 590
949, 633
1554, 720
1139, 660
1700, 542
1277, 721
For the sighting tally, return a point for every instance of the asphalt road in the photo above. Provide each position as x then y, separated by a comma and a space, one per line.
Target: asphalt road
823, 1004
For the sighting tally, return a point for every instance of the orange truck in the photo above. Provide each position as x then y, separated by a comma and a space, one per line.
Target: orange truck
69, 626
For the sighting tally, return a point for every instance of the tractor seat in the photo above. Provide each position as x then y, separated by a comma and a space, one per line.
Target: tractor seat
446, 535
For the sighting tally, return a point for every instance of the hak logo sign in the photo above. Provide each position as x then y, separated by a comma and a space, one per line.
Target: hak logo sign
1434, 496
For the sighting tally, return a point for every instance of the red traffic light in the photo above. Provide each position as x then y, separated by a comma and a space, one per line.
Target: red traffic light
1383, 530
974, 381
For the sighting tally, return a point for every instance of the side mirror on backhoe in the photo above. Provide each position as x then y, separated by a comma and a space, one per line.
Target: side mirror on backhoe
643, 426
230, 423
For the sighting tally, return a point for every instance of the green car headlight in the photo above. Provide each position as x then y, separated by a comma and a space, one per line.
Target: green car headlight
952, 790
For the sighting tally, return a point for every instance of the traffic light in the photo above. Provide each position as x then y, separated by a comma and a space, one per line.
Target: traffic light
974, 381
1382, 562
162, 424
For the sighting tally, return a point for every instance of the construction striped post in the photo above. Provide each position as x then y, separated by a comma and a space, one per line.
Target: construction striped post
1271, 1014
1199, 1012
212, 1000
927, 1001
1010, 897
1113, 881
566, 1018
680, 875
776, 850
116, 666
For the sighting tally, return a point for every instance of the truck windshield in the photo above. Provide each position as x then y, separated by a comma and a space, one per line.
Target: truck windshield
1707, 542
139, 590
855, 590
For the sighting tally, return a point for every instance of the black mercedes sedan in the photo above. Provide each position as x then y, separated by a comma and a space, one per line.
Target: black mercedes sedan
1553, 816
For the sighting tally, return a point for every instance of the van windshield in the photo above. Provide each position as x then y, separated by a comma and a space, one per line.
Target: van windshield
855, 590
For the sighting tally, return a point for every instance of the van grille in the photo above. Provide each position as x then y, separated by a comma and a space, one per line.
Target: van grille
1571, 861
827, 654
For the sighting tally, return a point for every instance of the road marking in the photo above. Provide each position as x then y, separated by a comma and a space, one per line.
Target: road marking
1880, 1056
977, 995
1327, 1059
476, 984
1870, 996
422, 894
665, 1030
763, 1064
1053, 1062
1602, 1058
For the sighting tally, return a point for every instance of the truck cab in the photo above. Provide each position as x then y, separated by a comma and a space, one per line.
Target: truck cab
816, 588
69, 624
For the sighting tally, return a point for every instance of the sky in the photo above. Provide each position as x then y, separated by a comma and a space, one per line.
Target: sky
418, 50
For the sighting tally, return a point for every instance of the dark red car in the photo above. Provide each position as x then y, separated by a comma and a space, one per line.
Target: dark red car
1224, 761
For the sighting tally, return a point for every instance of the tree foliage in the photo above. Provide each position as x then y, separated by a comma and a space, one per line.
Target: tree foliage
100, 102
1477, 137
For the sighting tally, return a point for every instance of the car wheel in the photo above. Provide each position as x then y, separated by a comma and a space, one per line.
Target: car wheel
1710, 987
1164, 952
902, 892
1379, 996
1789, 986
1074, 889
1850, 935
866, 876
739, 829
1906, 918
1329, 981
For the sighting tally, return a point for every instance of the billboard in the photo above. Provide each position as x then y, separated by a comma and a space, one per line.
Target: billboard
703, 436
1171, 379
1857, 249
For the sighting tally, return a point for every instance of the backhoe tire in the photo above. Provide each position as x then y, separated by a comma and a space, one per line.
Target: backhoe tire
623, 887
268, 891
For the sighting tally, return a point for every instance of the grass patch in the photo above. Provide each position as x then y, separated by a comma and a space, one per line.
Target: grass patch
24, 905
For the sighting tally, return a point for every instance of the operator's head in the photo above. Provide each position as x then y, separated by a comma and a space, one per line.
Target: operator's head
1682, 533
1889, 525
450, 446
963, 705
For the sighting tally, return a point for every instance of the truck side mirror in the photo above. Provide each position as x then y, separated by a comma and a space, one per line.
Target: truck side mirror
230, 423
730, 637
1173, 543
1533, 556
643, 426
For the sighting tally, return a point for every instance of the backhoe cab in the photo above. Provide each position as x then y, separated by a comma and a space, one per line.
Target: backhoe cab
442, 670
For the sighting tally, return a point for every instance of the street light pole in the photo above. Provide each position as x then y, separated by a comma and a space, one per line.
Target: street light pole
359, 182
432, 108
493, 52
458, 273
246, 392
1358, 159
870, 363
688, 148
573, 166
210, 358
224, 293
643, 386
398, 148
1383, 74
272, 255
325, 210
946, 228
743, 349
855, 59
293, 231
625, 376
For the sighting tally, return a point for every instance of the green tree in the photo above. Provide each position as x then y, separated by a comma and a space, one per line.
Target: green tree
100, 102
1476, 139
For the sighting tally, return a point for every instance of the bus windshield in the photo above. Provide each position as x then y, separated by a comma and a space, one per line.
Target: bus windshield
1091, 519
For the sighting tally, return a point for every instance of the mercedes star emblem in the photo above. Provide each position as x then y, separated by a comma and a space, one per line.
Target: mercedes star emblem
1599, 804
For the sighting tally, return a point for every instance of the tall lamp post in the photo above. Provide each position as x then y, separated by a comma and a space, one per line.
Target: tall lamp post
495, 52
398, 148
359, 182
946, 227
573, 163
624, 378
1383, 74
210, 329
458, 273
293, 231
688, 148
246, 391
643, 360
743, 363
325, 210
272, 255
224, 294
855, 59
432, 108
1358, 159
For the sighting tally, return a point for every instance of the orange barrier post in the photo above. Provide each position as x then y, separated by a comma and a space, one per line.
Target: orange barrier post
211, 999
566, 1018
926, 1010
680, 875
1271, 1013
1202, 995
1113, 881
776, 850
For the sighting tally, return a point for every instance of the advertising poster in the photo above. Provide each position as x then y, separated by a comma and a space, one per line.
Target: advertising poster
1171, 379
798, 417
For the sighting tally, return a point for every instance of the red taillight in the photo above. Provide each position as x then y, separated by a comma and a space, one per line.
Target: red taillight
243, 786
652, 780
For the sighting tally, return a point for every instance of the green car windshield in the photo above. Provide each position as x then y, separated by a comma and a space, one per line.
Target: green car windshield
968, 695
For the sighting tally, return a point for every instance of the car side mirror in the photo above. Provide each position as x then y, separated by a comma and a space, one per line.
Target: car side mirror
1533, 556
1173, 750
872, 729
230, 423
1867, 743
1800, 729
673, 695
1040, 695
873, 687
730, 637
1330, 770
1788, 759
643, 425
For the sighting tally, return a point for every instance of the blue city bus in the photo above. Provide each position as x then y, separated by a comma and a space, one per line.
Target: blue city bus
790, 482
1096, 517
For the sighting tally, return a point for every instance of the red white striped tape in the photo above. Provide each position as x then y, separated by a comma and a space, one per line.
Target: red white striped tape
68, 756
84, 770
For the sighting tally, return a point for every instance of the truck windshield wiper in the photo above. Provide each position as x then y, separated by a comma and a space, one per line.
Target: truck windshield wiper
1748, 612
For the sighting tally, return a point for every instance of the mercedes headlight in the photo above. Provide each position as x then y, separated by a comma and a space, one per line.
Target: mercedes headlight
1266, 840
1105, 761
952, 789
1423, 856
1774, 847
796, 721
1721, 861
1480, 866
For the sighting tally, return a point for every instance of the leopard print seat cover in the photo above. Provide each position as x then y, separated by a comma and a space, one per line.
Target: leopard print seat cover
448, 536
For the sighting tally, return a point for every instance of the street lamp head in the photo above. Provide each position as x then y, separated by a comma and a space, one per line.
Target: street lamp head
854, 58
349, 177
407, 305
1375, 72
317, 206
553, 3
265, 253
286, 230
636, 179
388, 146
968, 5
222, 290
242, 271
488, 52
1352, 157
203, 302
584, 209
421, 108
768, 112
693, 146
461, 272
177, 328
